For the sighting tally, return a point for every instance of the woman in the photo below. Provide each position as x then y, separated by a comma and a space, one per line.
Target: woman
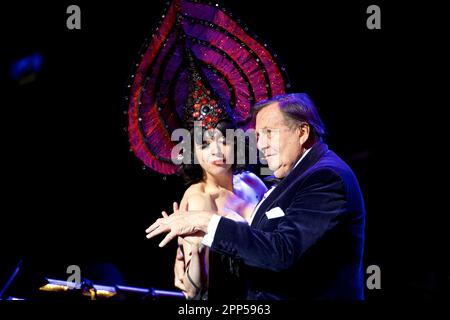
211, 73
218, 184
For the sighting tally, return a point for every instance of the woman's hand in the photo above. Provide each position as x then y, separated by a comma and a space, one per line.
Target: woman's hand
179, 268
195, 240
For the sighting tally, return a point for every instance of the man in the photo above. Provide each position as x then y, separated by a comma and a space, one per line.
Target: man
305, 239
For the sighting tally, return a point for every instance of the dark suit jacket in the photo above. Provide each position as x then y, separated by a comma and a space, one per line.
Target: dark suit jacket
315, 250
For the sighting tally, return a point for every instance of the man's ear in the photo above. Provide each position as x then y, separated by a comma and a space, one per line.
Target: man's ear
303, 131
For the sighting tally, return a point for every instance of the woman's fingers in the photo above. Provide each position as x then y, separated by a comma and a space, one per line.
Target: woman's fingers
164, 214
180, 285
175, 207
180, 254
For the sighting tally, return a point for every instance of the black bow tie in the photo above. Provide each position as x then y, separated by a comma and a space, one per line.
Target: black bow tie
272, 180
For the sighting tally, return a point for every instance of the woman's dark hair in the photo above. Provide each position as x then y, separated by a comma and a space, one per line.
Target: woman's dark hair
192, 172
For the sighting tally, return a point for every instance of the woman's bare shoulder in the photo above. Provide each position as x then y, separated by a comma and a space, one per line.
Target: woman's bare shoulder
195, 189
195, 197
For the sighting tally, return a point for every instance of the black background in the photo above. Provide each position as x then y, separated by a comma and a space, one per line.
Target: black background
73, 193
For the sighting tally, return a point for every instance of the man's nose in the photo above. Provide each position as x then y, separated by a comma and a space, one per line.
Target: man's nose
262, 142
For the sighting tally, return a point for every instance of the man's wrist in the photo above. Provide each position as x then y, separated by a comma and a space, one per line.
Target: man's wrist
211, 230
205, 219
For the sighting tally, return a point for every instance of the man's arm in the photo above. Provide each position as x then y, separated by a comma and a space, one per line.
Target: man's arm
317, 208
180, 224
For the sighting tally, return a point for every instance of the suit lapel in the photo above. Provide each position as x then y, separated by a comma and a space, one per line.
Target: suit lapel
310, 159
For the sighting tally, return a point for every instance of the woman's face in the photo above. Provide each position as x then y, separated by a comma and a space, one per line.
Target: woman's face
215, 154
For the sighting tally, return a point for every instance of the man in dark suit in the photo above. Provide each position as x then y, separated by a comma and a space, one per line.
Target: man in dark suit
305, 238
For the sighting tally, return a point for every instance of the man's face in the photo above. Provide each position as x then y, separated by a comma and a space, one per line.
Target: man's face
282, 145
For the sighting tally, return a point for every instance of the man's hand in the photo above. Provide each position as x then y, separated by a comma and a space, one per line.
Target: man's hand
179, 223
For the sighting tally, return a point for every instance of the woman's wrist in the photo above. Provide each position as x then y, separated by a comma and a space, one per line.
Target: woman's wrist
197, 286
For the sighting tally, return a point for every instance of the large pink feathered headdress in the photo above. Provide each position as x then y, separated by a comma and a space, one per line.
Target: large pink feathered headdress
199, 65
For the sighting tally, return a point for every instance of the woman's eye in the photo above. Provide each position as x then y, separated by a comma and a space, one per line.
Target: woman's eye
205, 145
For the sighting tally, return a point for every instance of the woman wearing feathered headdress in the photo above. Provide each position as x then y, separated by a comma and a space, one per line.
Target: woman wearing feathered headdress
202, 72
